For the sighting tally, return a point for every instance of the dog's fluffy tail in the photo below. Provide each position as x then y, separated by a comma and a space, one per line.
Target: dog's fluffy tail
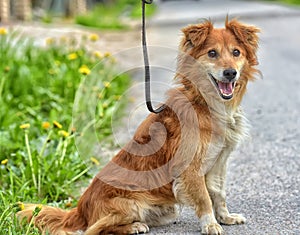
54, 221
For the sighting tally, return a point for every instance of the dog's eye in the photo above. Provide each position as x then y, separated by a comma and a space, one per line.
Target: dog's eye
212, 54
236, 53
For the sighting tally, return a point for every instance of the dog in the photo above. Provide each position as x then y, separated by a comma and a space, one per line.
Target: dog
179, 156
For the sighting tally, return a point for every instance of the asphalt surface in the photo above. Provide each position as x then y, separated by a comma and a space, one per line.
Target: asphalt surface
263, 176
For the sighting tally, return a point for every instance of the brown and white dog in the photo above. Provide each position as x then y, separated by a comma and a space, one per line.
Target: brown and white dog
178, 156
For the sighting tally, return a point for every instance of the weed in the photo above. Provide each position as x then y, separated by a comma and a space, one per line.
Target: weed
38, 159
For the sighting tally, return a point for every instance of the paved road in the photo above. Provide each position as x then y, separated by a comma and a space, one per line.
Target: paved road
263, 180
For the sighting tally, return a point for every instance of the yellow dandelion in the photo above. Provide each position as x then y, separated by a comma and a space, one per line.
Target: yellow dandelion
57, 124
94, 37
68, 204
95, 161
106, 84
3, 31
37, 210
98, 54
25, 126
49, 41
4, 162
105, 105
46, 125
107, 54
21, 206
63, 133
72, 56
84, 70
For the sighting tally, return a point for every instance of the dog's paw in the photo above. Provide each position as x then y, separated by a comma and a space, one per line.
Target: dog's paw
209, 225
212, 229
137, 227
231, 219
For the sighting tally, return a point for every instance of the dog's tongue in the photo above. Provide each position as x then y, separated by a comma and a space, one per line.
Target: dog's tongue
226, 88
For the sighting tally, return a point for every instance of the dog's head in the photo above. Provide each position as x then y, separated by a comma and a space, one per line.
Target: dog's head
223, 56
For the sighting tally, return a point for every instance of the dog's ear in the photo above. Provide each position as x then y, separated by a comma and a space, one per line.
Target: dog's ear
195, 35
247, 36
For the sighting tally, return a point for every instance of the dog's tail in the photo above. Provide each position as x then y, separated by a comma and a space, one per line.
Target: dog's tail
54, 221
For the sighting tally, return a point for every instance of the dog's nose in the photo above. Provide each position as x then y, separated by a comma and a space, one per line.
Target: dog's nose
230, 74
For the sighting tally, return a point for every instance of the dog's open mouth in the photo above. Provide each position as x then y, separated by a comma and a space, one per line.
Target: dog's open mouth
225, 89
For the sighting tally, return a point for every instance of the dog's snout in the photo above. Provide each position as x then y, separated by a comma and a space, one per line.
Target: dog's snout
230, 74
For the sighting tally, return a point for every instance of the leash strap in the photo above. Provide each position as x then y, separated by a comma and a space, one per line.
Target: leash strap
146, 62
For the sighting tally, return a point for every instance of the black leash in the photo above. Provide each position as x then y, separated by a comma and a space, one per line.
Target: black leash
146, 62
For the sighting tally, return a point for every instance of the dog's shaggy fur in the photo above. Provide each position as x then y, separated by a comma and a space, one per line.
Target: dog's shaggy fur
179, 155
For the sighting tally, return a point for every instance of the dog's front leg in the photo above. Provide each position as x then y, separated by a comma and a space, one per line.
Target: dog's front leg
190, 189
215, 182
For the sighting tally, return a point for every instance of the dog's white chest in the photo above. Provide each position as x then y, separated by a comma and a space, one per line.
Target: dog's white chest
237, 128
234, 130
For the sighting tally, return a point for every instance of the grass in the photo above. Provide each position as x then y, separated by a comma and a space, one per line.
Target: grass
111, 16
294, 2
39, 162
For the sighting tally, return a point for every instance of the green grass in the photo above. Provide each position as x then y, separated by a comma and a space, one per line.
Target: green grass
294, 2
39, 162
109, 16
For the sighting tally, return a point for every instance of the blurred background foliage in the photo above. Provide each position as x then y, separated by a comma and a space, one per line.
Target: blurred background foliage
296, 2
103, 14
114, 14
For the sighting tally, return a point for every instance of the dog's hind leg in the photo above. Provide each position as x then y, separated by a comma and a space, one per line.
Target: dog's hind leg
161, 215
155, 216
119, 216
113, 223
133, 228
